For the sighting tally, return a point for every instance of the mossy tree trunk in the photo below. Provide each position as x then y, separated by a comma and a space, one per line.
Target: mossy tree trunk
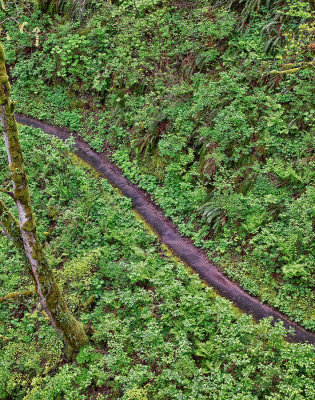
72, 331
10, 227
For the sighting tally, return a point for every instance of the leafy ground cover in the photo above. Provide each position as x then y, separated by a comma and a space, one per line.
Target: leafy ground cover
184, 94
160, 334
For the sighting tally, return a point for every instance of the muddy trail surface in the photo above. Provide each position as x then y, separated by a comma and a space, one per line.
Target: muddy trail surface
183, 248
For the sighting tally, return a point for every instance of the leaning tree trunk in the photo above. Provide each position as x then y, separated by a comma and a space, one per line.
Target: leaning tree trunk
72, 331
10, 227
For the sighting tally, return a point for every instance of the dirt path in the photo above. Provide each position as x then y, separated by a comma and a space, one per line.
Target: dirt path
183, 248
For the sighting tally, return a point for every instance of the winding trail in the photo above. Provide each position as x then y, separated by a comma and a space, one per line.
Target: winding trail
183, 248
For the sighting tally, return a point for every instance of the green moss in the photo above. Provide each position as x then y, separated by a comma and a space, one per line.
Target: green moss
2, 57
29, 226
21, 194
10, 224
15, 295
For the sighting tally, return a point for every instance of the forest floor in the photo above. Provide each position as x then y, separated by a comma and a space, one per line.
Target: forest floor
187, 99
160, 332
167, 232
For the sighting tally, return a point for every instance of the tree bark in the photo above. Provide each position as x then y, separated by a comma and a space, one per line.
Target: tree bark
10, 227
72, 331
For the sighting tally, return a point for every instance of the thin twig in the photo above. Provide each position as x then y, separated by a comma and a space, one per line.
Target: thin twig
5, 232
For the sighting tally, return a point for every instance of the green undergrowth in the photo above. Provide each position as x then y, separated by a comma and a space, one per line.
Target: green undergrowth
186, 98
160, 334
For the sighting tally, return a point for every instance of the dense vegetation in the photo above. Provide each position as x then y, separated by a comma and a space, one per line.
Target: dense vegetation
159, 333
208, 106
187, 97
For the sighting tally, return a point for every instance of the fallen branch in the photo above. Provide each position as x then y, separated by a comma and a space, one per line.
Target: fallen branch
295, 69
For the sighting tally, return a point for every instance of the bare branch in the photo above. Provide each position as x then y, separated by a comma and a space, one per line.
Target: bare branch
5, 232
12, 18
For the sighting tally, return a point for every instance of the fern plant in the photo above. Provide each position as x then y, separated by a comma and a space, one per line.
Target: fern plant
272, 32
71, 8
214, 215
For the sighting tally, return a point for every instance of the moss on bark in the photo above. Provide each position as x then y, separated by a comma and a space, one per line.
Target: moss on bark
15, 295
10, 226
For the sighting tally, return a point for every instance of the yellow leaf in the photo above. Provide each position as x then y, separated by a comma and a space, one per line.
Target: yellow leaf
21, 26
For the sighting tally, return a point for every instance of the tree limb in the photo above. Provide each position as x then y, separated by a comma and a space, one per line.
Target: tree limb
5, 233
11, 227
295, 69
15, 295
7, 192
